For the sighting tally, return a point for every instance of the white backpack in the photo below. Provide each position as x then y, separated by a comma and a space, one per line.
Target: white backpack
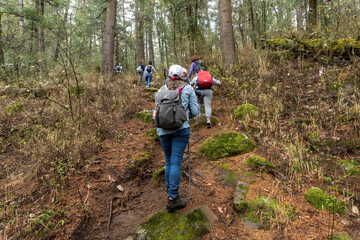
139, 70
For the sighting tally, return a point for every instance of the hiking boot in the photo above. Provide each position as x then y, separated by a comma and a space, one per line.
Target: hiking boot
176, 203
208, 124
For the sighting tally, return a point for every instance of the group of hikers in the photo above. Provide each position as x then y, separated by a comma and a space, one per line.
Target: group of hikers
176, 103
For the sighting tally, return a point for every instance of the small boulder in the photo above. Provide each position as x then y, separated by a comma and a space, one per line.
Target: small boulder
256, 162
320, 200
226, 144
240, 203
144, 116
187, 225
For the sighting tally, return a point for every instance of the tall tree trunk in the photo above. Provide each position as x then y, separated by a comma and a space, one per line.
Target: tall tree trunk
313, 16
41, 35
140, 31
160, 41
264, 18
242, 23
126, 60
299, 14
2, 62
174, 28
109, 39
226, 33
254, 36
21, 22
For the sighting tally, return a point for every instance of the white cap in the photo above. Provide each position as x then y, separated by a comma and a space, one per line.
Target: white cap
176, 71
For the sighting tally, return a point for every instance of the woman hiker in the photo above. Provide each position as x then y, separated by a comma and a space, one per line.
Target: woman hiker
204, 92
149, 69
174, 141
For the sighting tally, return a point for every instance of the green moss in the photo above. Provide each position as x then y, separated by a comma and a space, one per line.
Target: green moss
320, 200
313, 139
152, 134
246, 110
226, 145
341, 236
240, 203
144, 116
151, 89
164, 225
158, 177
256, 162
14, 108
350, 168
265, 211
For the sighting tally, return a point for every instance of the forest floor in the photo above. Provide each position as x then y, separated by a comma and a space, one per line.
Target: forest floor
113, 214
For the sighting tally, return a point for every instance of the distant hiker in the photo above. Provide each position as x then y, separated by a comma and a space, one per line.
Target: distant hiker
194, 60
140, 69
203, 90
118, 68
174, 139
149, 69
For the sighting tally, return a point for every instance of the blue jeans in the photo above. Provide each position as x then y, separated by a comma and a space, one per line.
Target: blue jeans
148, 77
141, 75
174, 146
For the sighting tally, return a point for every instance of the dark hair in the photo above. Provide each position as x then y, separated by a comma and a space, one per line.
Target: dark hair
194, 58
150, 63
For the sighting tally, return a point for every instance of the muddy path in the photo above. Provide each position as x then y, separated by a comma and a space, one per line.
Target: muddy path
118, 199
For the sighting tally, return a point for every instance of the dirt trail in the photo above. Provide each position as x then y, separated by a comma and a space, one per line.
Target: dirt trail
140, 198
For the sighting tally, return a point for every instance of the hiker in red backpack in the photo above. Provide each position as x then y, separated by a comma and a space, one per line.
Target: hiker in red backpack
203, 90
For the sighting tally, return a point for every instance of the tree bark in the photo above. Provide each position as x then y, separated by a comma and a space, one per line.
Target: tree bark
254, 36
1, 50
41, 36
226, 33
140, 31
299, 15
21, 19
109, 39
313, 15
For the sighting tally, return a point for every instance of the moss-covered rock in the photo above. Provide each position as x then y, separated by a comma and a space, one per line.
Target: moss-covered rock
226, 145
158, 177
265, 211
177, 226
144, 116
341, 236
256, 162
202, 121
151, 89
320, 200
350, 168
152, 134
246, 110
240, 203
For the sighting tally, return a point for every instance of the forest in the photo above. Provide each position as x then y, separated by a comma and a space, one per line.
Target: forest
80, 157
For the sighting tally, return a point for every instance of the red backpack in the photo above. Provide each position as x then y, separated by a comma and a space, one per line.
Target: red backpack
204, 79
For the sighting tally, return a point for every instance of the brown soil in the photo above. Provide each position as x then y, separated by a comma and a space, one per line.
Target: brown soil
140, 199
